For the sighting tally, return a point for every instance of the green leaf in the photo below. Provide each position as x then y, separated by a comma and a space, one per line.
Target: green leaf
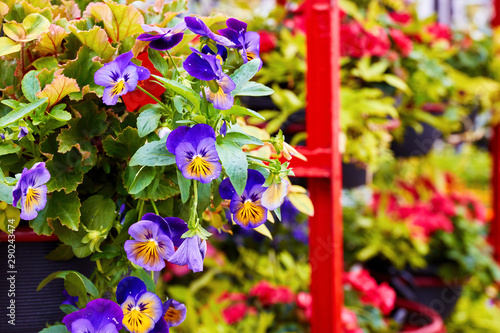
66, 208
89, 286
252, 88
184, 186
58, 113
34, 25
241, 112
137, 178
82, 69
243, 74
30, 86
158, 61
74, 285
234, 162
396, 82
40, 223
67, 309
8, 147
153, 154
8, 46
242, 139
130, 218
181, 89
65, 172
161, 188
146, 278
62, 252
17, 114
149, 120
55, 329
98, 213
125, 145
45, 62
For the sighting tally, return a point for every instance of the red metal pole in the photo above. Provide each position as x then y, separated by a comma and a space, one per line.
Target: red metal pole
322, 121
495, 152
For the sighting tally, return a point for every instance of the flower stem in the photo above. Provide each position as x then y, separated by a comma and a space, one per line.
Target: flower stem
156, 99
153, 276
140, 207
193, 218
261, 158
99, 266
173, 62
154, 207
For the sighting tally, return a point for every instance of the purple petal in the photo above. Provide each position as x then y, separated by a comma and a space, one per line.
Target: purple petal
129, 286
199, 132
144, 230
154, 28
138, 254
108, 98
132, 77
199, 68
161, 327
184, 157
166, 42
177, 228
189, 254
123, 60
99, 312
34, 202
175, 137
197, 26
226, 189
239, 26
38, 175
221, 50
223, 128
179, 27
174, 312
231, 36
23, 131
220, 99
149, 37
82, 326
254, 178
108, 74
245, 217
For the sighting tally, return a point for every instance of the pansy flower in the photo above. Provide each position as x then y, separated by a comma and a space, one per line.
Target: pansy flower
195, 153
136, 99
165, 38
151, 245
119, 77
141, 309
247, 42
32, 191
191, 253
246, 209
275, 194
208, 67
174, 312
23, 131
99, 316
196, 25
221, 50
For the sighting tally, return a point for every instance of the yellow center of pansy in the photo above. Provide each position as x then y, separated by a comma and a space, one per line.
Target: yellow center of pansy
199, 167
118, 87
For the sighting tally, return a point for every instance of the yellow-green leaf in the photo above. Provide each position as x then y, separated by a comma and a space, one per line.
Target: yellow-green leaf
34, 25
14, 31
302, 202
120, 21
50, 41
97, 40
262, 229
58, 89
8, 46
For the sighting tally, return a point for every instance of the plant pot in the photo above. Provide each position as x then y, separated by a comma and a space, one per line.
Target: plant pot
352, 175
418, 318
416, 144
34, 309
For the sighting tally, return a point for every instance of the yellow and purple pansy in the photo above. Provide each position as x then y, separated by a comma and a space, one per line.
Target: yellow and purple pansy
208, 67
246, 209
99, 316
32, 191
119, 77
195, 153
165, 38
174, 312
151, 245
141, 309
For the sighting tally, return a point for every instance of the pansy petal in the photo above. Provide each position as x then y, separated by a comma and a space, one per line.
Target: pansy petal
175, 137
221, 50
37, 175
189, 254
131, 77
196, 25
194, 166
179, 27
145, 254
82, 326
231, 36
108, 328
161, 327
129, 286
143, 230
151, 305
254, 178
199, 68
154, 28
199, 132
226, 189
123, 60
166, 42
250, 214
141, 316
108, 74
177, 228
206, 149
34, 201
275, 194
108, 98
149, 37
100, 313
174, 312
239, 26
220, 99
142, 72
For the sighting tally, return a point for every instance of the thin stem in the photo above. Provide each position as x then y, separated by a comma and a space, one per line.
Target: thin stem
193, 219
99, 266
173, 62
261, 158
140, 207
154, 207
153, 276
22, 60
149, 94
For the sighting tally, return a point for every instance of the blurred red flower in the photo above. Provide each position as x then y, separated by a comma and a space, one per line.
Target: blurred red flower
403, 18
402, 42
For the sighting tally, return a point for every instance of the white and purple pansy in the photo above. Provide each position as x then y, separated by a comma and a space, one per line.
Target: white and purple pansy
32, 191
99, 316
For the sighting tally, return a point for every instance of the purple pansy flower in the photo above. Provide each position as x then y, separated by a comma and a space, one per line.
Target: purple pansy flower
191, 253
246, 209
208, 67
119, 77
195, 153
221, 50
174, 312
165, 39
151, 245
32, 191
23, 131
141, 309
223, 128
196, 25
99, 316
248, 42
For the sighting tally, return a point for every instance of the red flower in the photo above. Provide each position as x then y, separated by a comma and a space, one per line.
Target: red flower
361, 280
383, 298
304, 301
136, 99
269, 295
403, 18
352, 40
349, 322
403, 43
377, 43
235, 313
440, 203
439, 31
268, 41
234, 297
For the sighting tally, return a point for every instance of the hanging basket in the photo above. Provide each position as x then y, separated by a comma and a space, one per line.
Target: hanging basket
416, 144
419, 318
34, 309
353, 175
